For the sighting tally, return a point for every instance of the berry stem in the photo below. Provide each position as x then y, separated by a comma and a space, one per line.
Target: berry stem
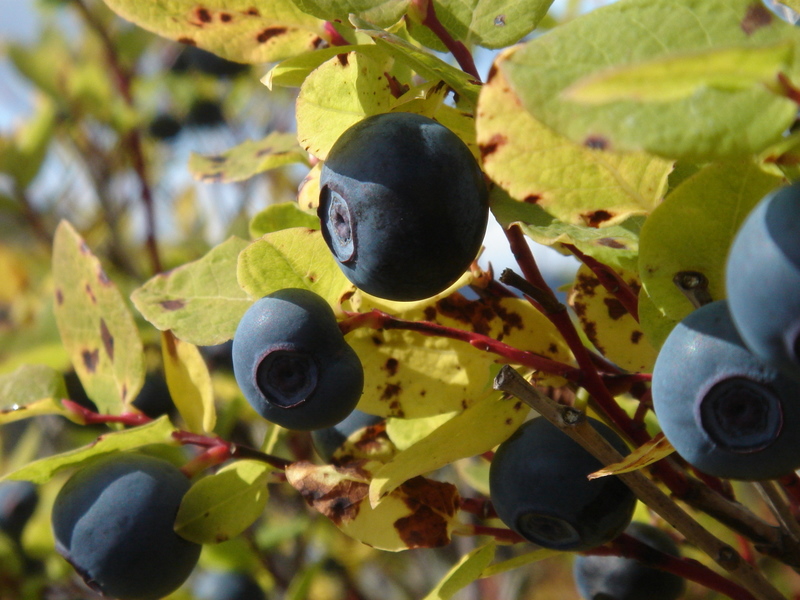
610, 280
229, 449
89, 417
376, 319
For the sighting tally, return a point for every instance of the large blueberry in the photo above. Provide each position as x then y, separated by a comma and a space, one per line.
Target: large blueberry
725, 411
292, 362
114, 522
618, 578
763, 279
539, 488
403, 205
18, 500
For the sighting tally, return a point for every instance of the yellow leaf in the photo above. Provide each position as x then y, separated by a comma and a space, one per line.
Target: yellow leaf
189, 383
645, 455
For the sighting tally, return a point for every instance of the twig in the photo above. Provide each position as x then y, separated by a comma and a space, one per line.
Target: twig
574, 424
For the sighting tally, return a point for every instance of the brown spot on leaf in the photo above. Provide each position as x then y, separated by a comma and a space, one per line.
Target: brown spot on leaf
176, 304
252, 11
429, 313
102, 277
376, 340
338, 494
343, 59
493, 144
636, 336
90, 359
586, 284
225, 17
124, 392
187, 40
594, 219
269, 33
611, 243
755, 17
318, 42
108, 339
217, 159
202, 14
90, 293
532, 198
492, 73
615, 308
552, 348
431, 503
59, 296
596, 142
391, 391
391, 366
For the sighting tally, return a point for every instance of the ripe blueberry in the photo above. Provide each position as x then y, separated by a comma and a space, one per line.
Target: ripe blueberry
327, 441
763, 280
226, 585
403, 205
724, 410
113, 521
292, 363
18, 500
539, 488
618, 578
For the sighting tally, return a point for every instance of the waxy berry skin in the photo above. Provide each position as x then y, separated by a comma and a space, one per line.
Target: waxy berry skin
403, 206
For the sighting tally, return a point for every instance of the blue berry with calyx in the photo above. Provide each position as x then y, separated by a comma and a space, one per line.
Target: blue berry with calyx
619, 578
403, 205
113, 521
726, 412
292, 362
763, 279
539, 488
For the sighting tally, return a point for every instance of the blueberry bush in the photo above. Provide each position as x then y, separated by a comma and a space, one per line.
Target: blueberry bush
250, 342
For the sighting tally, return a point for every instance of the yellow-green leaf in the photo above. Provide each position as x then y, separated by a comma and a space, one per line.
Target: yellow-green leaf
40, 471
518, 561
221, 506
476, 430
189, 383
200, 301
284, 215
677, 77
641, 457
465, 571
95, 324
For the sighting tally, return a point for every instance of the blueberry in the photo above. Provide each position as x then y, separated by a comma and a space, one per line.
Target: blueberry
205, 113
113, 521
403, 205
763, 280
726, 412
617, 578
327, 441
164, 127
292, 363
218, 357
539, 488
226, 585
197, 59
18, 500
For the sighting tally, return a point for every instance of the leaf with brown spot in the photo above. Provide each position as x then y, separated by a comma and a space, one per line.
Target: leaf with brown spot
89, 322
232, 29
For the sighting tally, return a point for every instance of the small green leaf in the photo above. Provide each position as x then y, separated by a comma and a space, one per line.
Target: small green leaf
40, 471
248, 159
239, 30
297, 258
221, 506
692, 230
518, 561
281, 216
674, 78
96, 326
29, 383
292, 72
474, 431
189, 383
201, 301
381, 12
465, 571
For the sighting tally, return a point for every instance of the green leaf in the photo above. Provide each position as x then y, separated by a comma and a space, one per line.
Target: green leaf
248, 159
221, 506
292, 72
281, 216
338, 94
674, 78
381, 12
518, 561
201, 301
189, 383
474, 431
616, 245
42, 470
297, 258
30, 144
575, 184
422, 62
239, 30
709, 124
465, 571
692, 230
96, 327
411, 375
31, 391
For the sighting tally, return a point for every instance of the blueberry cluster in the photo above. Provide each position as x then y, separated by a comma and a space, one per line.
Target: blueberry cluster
726, 384
403, 205
292, 362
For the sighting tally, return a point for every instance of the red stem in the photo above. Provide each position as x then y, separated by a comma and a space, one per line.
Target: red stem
456, 48
376, 319
610, 280
232, 450
92, 418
